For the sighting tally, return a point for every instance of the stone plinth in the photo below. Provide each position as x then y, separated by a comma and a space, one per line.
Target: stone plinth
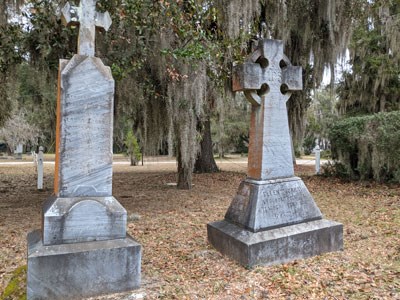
82, 219
260, 205
75, 271
275, 246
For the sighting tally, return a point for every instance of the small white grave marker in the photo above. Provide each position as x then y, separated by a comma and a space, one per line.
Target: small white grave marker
40, 169
317, 159
18, 151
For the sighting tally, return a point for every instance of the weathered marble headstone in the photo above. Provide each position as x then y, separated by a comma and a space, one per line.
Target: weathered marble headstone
317, 159
273, 217
83, 249
40, 169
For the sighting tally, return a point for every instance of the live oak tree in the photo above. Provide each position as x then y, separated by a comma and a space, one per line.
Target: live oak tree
172, 61
10, 38
366, 138
372, 83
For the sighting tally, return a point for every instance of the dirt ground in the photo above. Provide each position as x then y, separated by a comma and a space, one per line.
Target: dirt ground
178, 262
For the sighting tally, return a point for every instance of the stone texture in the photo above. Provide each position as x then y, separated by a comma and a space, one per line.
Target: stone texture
83, 249
273, 217
261, 205
85, 128
75, 271
74, 220
88, 19
267, 80
278, 245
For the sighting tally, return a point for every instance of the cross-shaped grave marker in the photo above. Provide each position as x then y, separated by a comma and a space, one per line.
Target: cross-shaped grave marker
267, 80
88, 19
273, 217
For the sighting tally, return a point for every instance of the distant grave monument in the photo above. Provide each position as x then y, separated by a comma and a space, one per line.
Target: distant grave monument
18, 151
83, 249
273, 218
40, 159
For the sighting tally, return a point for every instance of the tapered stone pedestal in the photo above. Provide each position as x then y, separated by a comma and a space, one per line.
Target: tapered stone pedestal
274, 221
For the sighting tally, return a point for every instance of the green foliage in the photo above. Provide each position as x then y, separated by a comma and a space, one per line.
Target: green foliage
133, 148
47, 40
36, 93
320, 116
335, 169
231, 134
373, 83
368, 146
163, 51
16, 288
11, 39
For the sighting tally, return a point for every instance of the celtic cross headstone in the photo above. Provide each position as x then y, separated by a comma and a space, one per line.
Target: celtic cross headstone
82, 249
273, 217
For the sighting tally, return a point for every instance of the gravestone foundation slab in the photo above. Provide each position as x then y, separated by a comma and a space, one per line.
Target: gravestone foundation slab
75, 271
275, 246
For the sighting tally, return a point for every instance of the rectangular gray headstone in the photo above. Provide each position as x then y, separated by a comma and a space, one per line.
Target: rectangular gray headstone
83, 249
84, 160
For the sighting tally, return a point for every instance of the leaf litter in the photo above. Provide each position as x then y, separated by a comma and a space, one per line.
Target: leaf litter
178, 262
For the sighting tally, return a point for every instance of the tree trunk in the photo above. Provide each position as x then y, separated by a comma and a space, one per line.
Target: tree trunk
184, 174
5, 103
205, 162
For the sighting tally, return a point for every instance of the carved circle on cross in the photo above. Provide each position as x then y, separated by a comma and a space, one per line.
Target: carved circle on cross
257, 95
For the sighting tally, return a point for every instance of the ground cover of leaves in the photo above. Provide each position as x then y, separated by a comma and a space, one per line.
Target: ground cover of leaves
178, 262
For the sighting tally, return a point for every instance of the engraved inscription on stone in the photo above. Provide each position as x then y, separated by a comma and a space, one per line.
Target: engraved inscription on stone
272, 204
272, 76
273, 217
284, 204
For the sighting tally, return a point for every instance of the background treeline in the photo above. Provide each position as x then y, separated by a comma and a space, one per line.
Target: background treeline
172, 64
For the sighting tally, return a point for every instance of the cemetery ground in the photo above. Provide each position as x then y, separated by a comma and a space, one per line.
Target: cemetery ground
178, 262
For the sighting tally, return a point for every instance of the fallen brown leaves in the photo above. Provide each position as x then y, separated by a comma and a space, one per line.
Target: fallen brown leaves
178, 262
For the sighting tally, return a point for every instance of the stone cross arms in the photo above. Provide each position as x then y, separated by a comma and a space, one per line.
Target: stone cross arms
267, 70
267, 79
88, 19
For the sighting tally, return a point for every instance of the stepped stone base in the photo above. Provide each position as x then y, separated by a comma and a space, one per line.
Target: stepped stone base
275, 246
75, 271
